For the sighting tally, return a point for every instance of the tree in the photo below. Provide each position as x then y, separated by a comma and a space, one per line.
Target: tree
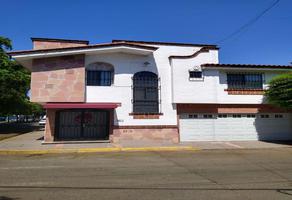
279, 92
14, 84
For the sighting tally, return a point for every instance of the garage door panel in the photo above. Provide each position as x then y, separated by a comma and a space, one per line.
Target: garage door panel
236, 128
194, 129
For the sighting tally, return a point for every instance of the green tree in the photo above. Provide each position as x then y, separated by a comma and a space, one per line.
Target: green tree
14, 84
280, 91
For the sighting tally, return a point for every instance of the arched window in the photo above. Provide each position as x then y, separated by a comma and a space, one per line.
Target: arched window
145, 93
99, 74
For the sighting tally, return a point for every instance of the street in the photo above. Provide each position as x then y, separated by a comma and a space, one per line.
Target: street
208, 174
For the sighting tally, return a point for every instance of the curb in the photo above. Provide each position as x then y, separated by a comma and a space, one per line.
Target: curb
96, 150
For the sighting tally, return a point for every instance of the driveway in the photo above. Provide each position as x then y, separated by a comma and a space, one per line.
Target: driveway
33, 141
209, 174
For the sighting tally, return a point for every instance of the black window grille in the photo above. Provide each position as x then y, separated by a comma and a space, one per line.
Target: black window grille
245, 81
145, 93
99, 78
195, 74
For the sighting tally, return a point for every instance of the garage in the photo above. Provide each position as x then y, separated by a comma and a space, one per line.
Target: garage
82, 124
235, 127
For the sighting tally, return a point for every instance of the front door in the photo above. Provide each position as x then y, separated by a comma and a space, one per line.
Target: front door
87, 124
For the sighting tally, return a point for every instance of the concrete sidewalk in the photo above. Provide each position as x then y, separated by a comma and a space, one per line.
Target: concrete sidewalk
31, 143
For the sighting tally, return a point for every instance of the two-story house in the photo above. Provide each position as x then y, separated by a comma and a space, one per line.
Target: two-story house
137, 91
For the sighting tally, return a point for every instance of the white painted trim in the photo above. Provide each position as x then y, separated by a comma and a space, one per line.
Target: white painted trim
47, 54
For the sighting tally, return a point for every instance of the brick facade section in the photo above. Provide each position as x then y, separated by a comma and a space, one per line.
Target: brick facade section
245, 92
50, 125
145, 135
145, 116
58, 79
53, 44
228, 108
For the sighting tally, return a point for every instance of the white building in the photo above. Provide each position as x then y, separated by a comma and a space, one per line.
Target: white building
136, 91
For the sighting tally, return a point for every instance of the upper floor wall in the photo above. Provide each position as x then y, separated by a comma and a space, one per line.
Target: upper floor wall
58, 79
213, 87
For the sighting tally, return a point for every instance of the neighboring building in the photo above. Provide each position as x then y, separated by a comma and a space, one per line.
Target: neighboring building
136, 91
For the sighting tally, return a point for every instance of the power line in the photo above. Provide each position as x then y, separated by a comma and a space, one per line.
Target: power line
249, 23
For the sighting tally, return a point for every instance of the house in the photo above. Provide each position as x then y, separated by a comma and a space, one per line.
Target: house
137, 91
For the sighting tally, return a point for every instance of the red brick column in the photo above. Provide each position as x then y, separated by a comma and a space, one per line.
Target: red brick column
50, 125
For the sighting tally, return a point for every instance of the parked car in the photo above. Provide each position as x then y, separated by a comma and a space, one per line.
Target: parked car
42, 122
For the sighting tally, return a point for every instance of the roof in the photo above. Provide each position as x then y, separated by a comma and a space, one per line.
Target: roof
60, 40
118, 44
167, 43
246, 66
82, 105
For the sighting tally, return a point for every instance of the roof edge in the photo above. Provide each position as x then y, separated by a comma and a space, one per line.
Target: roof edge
256, 66
202, 50
167, 43
59, 40
15, 53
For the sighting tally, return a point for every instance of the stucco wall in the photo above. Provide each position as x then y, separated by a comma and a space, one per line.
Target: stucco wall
210, 89
58, 79
195, 91
126, 66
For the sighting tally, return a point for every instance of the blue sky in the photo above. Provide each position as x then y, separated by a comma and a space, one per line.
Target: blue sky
268, 41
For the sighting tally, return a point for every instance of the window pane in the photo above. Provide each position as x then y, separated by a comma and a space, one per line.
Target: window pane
195, 74
99, 78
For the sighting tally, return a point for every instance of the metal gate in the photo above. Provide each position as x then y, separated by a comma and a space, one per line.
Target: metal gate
82, 125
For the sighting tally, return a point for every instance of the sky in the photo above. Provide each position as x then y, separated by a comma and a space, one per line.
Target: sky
267, 41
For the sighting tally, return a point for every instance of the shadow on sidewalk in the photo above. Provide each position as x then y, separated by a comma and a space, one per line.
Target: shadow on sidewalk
18, 128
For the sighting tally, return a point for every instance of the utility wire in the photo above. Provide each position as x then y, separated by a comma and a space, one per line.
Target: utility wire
249, 23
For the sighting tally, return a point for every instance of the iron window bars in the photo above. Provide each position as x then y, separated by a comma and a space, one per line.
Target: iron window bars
245, 81
146, 91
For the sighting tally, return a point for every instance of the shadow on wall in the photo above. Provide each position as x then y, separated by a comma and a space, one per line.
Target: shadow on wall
274, 125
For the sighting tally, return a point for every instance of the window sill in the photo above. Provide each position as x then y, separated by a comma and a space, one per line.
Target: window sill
245, 91
146, 115
196, 79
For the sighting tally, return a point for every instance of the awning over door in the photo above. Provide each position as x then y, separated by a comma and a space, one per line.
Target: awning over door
82, 105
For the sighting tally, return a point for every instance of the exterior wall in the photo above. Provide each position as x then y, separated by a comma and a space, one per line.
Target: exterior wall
194, 91
213, 87
141, 135
54, 45
58, 79
125, 66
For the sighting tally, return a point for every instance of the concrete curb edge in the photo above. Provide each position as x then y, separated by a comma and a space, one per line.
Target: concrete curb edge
96, 150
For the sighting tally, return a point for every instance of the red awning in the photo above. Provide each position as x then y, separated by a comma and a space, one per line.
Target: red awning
82, 105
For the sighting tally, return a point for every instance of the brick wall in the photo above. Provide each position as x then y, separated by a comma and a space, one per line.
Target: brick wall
53, 45
228, 108
145, 134
58, 79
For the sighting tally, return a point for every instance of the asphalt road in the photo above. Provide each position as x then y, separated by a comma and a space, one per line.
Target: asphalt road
215, 174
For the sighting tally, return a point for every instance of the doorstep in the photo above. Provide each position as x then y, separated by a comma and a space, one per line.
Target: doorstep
77, 142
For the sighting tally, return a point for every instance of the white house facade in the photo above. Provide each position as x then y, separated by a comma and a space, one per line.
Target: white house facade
137, 91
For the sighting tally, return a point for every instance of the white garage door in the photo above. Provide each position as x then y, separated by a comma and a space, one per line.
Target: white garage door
232, 127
